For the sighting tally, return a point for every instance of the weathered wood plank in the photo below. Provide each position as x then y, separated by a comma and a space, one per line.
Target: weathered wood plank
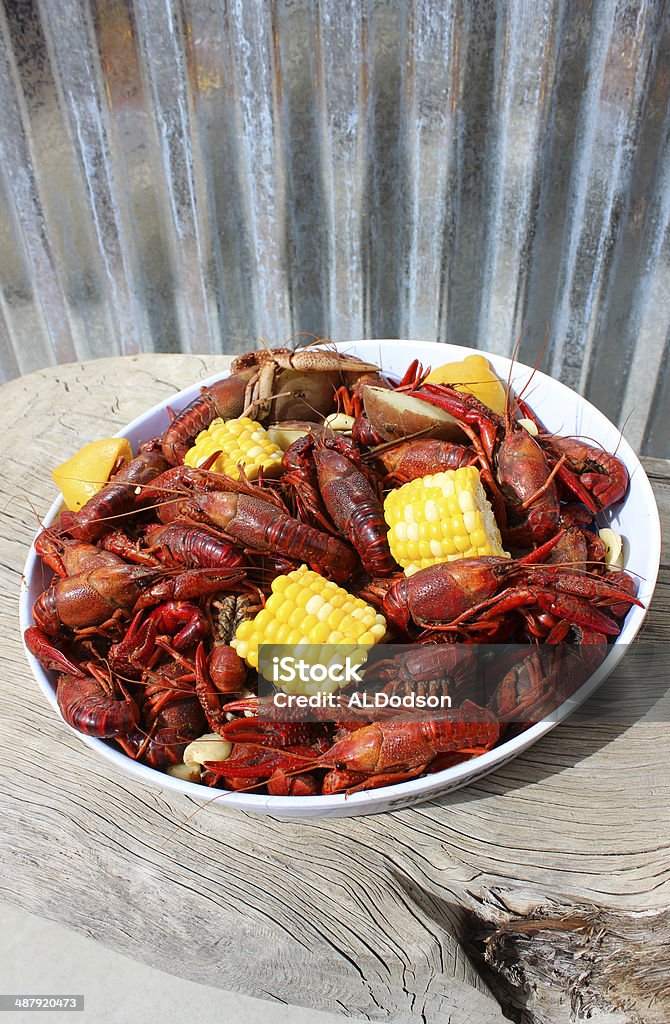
388, 917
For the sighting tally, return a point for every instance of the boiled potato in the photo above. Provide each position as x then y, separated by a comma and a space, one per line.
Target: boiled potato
88, 471
474, 375
394, 415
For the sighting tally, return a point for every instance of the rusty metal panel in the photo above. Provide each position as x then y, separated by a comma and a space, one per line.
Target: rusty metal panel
190, 175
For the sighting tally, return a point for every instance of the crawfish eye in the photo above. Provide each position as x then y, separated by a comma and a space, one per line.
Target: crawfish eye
340, 766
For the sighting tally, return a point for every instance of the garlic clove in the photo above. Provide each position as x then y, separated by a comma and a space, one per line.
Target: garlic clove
529, 426
210, 747
185, 772
338, 421
614, 545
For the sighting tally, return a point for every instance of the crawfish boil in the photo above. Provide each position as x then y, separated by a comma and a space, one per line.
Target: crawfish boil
308, 498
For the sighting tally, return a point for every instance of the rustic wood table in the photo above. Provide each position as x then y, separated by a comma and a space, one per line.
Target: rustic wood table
542, 889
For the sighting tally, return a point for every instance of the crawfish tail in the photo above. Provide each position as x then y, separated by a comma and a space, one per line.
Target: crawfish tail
224, 398
355, 509
86, 707
539, 683
45, 612
226, 669
260, 526
164, 747
184, 544
412, 459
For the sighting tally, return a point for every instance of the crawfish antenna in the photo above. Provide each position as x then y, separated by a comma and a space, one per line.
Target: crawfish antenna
536, 367
32, 509
621, 430
508, 386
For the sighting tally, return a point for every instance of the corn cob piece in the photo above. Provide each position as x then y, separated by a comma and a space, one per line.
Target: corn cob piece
440, 518
241, 441
307, 610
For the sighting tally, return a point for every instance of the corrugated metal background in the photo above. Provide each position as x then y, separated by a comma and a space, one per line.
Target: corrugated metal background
189, 175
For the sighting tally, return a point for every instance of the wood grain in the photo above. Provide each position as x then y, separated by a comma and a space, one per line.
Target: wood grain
549, 875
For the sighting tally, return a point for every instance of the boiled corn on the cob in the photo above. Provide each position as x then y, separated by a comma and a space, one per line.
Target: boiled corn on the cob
240, 441
306, 609
440, 518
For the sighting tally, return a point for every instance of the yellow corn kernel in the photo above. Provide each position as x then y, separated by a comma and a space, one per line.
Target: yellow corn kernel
440, 518
242, 442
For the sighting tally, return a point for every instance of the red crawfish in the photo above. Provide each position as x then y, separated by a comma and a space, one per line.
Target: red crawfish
165, 492
447, 595
159, 748
68, 557
543, 678
389, 752
92, 598
428, 669
89, 698
548, 595
604, 476
50, 657
224, 673
300, 481
182, 621
409, 460
94, 704
171, 716
260, 525
224, 398
395, 751
169, 700
251, 766
181, 543
100, 514
594, 476
579, 548
265, 750
355, 509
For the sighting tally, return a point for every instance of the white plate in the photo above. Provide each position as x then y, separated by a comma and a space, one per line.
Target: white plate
561, 410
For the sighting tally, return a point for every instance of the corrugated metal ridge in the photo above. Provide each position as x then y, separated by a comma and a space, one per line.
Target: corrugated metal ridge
190, 175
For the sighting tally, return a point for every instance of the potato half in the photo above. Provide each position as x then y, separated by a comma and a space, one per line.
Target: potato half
394, 415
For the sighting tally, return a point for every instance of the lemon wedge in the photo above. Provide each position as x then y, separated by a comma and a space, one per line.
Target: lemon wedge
88, 471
